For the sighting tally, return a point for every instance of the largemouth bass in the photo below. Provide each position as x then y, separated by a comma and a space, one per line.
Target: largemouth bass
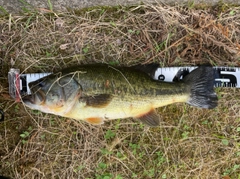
99, 92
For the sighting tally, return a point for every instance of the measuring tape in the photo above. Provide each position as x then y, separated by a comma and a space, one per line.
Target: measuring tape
18, 83
223, 77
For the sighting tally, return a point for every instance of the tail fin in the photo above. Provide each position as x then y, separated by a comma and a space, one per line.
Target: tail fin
201, 82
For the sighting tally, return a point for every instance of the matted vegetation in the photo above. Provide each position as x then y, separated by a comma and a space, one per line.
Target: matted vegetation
189, 143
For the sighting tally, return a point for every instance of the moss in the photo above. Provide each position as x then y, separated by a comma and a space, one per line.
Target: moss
113, 11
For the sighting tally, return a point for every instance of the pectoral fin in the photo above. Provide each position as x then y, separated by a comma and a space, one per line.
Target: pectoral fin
98, 101
151, 118
95, 120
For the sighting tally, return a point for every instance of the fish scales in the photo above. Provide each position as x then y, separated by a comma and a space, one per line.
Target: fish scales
129, 86
122, 81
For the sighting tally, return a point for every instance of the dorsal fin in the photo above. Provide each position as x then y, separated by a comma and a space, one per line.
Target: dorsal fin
148, 68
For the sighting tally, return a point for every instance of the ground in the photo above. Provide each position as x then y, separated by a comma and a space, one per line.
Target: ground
189, 143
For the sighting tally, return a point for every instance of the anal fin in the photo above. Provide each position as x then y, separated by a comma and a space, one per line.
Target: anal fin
151, 118
95, 120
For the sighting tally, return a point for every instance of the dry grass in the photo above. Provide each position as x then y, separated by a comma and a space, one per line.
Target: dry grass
190, 143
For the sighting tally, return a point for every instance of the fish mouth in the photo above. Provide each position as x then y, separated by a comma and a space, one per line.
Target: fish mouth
35, 98
28, 100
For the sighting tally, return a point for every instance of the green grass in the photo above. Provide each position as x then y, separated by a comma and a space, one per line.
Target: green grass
189, 143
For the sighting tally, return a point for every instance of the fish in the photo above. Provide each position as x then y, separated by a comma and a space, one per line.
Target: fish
96, 93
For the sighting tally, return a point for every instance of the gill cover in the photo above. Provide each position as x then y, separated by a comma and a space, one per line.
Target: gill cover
55, 93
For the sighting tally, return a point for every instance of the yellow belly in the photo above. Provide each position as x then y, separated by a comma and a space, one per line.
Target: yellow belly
119, 108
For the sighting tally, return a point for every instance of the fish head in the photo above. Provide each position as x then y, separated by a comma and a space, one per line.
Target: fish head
53, 94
